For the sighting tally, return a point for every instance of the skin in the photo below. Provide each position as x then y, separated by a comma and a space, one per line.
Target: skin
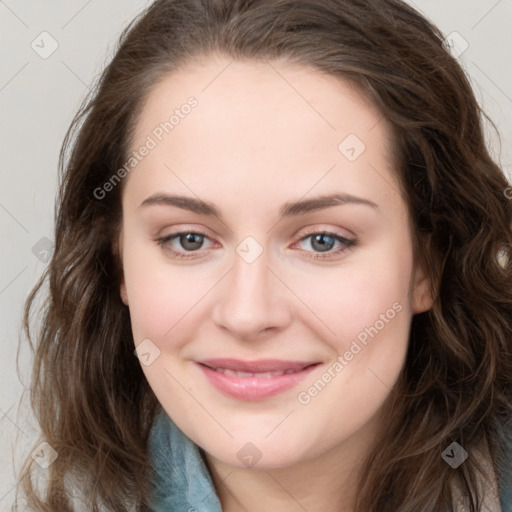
264, 134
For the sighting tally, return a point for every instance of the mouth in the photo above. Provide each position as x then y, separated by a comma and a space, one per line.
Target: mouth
254, 380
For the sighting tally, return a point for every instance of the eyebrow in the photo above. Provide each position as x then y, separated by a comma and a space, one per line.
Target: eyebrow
289, 209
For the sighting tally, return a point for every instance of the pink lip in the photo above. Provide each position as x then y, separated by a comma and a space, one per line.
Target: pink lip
254, 387
263, 365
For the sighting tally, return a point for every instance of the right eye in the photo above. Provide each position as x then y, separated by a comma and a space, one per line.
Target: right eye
190, 241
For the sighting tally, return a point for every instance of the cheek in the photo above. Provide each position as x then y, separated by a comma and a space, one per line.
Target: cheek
349, 298
161, 296
367, 306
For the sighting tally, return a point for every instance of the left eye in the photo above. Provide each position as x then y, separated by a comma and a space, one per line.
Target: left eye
322, 241
192, 241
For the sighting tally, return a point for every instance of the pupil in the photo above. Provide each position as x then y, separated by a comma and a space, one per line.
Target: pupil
191, 238
321, 240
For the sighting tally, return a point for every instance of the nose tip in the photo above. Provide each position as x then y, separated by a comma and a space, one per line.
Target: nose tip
250, 300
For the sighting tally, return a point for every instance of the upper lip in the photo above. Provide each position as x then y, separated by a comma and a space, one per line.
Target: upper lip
261, 366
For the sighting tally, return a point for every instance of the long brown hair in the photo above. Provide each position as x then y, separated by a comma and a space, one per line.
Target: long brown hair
91, 398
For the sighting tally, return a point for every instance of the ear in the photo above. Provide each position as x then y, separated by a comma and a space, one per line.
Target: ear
117, 244
422, 299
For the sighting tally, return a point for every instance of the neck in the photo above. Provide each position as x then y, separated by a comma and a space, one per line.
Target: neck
326, 482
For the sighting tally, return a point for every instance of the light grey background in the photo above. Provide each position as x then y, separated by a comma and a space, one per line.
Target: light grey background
39, 97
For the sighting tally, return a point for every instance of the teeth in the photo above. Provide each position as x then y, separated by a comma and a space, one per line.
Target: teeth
236, 374
264, 375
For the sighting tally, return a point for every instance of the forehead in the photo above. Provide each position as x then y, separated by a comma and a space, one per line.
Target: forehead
267, 119
271, 87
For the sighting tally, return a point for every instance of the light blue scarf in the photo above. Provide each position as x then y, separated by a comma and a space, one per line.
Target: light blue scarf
183, 481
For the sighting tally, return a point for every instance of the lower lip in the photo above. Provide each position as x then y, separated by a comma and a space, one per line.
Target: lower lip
254, 388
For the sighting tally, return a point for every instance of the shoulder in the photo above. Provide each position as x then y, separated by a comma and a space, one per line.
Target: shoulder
495, 488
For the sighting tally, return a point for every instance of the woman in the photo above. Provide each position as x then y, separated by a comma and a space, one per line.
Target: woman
337, 336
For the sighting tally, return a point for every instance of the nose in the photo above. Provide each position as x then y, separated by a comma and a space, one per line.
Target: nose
252, 300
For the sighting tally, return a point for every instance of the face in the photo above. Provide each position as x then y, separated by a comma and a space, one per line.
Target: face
232, 260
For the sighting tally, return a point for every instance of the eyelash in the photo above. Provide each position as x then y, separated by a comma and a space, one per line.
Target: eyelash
348, 244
